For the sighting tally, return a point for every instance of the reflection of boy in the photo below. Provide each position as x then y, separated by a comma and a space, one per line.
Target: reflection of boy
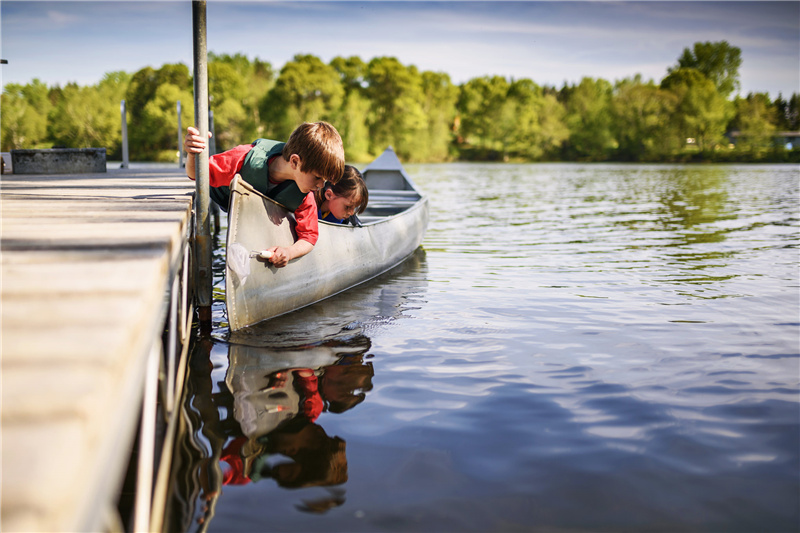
317, 459
289, 172
308, 388
345, 385
232, 464
263, 411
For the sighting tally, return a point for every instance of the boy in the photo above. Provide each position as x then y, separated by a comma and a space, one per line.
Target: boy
289, 172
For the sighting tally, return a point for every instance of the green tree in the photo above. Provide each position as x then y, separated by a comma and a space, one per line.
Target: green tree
151, 100
145, 82
718, 61
642, 119
85, 117
352, 118
484, 113
307, 90
589, 119
24, 115
439, 106
227, 91
352, 72
71, 121
554, 131
755, 120
114, 87
534, 122
787, 113
353, 127
702, 113
396, 116
793, 112
159, 117
257, 78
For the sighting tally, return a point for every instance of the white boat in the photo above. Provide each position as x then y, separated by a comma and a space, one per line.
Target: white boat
393, 226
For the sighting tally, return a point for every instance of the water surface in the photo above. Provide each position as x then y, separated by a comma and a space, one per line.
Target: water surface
574, 347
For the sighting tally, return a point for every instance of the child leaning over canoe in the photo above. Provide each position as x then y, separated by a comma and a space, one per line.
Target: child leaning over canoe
288, 172
340, 202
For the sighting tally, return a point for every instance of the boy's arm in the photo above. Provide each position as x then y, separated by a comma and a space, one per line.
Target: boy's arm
307, 230
190, 167
282, 255
193, 144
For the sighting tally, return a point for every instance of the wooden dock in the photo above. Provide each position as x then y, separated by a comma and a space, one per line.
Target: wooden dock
94, 271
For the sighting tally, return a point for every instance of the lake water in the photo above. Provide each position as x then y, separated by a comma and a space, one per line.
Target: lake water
574, 348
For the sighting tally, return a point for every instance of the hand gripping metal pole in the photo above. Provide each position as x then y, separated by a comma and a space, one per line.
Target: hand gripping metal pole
203, 274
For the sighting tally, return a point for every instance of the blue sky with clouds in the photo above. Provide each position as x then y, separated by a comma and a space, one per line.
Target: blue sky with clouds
549, 42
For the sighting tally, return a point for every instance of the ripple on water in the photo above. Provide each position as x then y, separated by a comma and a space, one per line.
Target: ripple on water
588, 347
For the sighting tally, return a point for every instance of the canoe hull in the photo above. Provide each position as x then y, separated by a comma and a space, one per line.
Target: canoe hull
343, 257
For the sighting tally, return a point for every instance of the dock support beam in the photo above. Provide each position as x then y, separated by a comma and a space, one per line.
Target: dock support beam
203, 274
124, 120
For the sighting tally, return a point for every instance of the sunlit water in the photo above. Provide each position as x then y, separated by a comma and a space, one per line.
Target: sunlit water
574, 348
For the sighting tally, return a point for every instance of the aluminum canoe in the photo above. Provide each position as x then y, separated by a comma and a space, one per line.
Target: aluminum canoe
394, 225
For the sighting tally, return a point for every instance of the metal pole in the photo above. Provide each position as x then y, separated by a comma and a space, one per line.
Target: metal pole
180, 137
123, 111
202, 238
212, 147
212, 142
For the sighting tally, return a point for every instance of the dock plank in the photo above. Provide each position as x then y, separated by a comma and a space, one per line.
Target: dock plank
86, 262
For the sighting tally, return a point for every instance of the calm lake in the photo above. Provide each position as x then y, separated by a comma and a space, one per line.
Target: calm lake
574, 348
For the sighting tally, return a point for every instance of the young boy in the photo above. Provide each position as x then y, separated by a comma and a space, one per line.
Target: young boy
290, 172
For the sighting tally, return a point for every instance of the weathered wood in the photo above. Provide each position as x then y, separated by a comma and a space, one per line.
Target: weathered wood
86, 265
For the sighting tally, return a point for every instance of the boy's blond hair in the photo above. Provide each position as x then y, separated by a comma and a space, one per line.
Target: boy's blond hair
320, 148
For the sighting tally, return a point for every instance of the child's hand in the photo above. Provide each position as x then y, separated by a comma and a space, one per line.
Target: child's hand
193, 143
280, 256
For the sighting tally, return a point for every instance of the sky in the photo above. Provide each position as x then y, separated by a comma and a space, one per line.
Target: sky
551, 42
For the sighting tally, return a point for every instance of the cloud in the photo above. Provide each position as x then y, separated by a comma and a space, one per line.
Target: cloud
548, 42
60, 19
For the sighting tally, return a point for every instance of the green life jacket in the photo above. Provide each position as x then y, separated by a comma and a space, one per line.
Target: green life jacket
255, 171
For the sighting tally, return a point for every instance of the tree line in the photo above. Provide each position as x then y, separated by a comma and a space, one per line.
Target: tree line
688, 116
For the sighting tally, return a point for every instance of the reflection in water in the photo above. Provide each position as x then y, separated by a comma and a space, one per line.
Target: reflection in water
253, 417
584, 348
694, 204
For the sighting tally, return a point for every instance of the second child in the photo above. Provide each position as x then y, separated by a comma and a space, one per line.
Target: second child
340, 202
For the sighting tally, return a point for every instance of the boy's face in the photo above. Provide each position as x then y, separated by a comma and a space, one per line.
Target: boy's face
306, 181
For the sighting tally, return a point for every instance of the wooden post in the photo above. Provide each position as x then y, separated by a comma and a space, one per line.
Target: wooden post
203, 273
124, 113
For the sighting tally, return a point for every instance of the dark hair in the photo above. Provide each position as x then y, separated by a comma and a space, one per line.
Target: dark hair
350, 184
320, 148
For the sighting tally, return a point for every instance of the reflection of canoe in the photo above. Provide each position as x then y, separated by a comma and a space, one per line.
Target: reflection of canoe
265, 388
258, 405
357, 311
344, 256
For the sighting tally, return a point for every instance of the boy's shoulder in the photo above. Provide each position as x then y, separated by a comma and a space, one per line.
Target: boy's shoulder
255, 169
267, 146
260, 153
